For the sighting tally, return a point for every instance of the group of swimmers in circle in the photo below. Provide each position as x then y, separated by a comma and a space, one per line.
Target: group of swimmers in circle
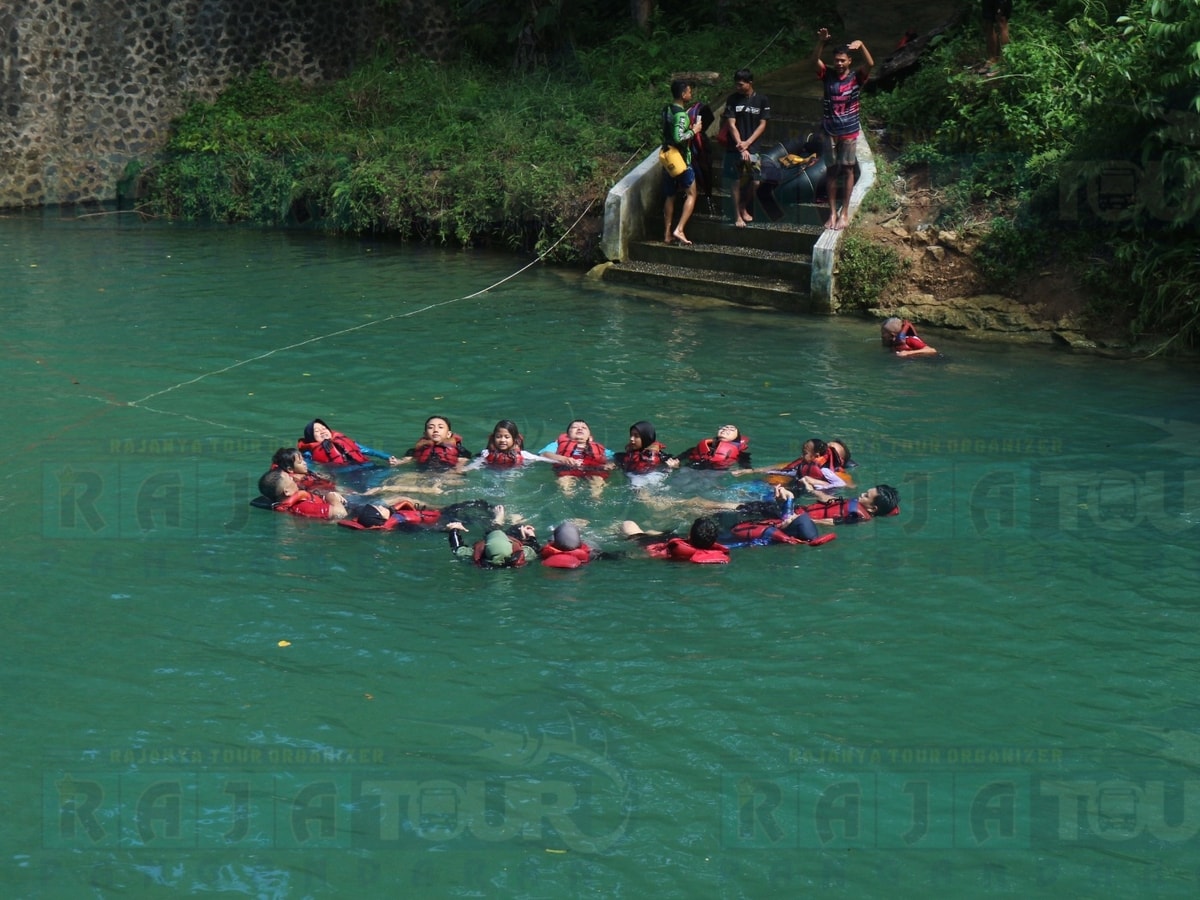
329, 475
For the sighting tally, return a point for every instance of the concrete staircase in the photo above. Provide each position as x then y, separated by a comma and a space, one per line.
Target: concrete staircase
765, 264
786, 264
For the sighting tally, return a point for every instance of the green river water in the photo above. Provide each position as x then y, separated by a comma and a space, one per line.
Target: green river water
992, 693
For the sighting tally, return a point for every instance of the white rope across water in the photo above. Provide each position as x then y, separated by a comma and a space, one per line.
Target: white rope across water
353, 328
141, 402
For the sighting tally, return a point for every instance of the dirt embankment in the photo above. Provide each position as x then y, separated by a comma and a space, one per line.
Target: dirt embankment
942, 284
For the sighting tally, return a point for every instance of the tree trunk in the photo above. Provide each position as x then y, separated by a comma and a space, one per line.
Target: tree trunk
642, 10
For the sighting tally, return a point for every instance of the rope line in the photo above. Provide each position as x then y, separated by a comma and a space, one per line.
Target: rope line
321, 337
385, 319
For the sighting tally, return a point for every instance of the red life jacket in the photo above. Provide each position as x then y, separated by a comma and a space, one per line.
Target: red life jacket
769, 529
406, 513
837, 509
906, 338
846, 510
302, 503
809, 469
639, 462
679, 549
517, 558
719, 454
590, 453
403, 514
312, 482
504, 459
445, 454
338, 450
565, 559
755, 531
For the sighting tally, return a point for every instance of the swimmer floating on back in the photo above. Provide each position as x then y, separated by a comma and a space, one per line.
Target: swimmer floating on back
505, 449
323, 445
439, 448
576, 455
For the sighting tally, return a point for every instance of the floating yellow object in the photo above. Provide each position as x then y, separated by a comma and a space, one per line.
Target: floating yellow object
285, 643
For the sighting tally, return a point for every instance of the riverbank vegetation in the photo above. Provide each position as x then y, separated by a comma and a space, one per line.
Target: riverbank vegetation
482, 148
1081, 149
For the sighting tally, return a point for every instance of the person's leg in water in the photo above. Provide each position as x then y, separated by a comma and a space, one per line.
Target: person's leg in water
596, 486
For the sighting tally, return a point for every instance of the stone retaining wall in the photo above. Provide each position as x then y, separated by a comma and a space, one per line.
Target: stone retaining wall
86, 86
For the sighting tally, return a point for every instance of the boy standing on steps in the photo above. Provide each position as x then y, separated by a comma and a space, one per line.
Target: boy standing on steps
746, 114
679, 132
840, 122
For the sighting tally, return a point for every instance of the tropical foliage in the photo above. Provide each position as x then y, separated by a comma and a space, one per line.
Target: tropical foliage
458, 152
1086, 142
1084, 146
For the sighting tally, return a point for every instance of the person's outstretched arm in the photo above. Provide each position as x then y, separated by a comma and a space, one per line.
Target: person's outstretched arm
822, 39
868, 63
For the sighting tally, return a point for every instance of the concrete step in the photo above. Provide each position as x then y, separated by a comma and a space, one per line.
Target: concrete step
793, 267
744, 289
784, 236
798, 216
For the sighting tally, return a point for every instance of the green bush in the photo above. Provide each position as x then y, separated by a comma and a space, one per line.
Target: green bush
864, 270
458, 152
1081, 88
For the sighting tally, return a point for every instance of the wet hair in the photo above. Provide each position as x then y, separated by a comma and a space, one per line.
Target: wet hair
819, 447
449, 427
511, 427
566, 537
271, 484
308, 429
370, 517
890, 330
678, 86
838, 460
744, 75
645, 431
887, 498
285, 457
704, 533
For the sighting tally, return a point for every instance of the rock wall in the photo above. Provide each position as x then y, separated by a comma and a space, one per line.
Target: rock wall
86, 86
